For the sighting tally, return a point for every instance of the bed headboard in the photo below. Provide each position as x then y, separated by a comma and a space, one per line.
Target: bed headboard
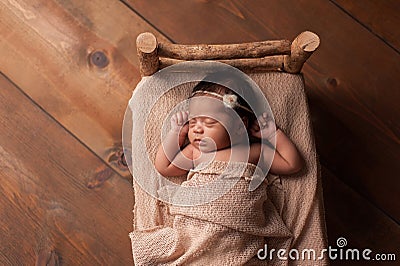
278, 55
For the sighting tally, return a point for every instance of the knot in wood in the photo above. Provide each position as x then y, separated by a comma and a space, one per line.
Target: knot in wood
99, 59
332, 82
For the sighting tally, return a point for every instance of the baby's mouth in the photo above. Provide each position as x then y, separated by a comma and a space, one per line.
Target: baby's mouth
199, 141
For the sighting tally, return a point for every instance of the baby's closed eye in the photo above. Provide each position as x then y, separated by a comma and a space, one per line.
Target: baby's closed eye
210, 121
206, 121
192, 122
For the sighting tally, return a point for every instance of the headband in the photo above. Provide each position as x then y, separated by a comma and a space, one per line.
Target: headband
229, 100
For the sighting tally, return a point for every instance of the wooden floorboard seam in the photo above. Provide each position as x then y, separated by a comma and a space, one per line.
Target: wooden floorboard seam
331, 172
364, 26
347, 186
62, 126
146, 20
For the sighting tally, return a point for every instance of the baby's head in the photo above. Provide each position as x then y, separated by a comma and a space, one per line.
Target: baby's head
215, 109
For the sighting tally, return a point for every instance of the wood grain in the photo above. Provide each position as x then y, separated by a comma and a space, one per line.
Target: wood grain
350, 78
380, 17
353, 217
270, 63
47, 208
49, 48
224, 51
146, 45
256, 56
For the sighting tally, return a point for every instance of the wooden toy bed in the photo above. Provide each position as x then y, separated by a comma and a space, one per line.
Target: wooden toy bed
275, 66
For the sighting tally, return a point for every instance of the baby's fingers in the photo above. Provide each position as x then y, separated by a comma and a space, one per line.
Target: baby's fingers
262, 121
265, 120
185, 116
268, 116
181, 118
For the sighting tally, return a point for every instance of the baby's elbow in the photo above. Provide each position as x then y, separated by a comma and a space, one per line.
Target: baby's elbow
164, 172
296, 166
287, 168
167, 171
161, 170
295, 170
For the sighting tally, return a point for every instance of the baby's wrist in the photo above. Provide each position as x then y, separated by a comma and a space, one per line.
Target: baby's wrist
273, 134
175, 130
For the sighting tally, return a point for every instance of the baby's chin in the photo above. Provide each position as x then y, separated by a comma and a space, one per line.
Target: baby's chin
208, 146
204, 147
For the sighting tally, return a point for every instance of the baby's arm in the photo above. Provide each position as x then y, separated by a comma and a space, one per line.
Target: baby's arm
170, 160
287, 159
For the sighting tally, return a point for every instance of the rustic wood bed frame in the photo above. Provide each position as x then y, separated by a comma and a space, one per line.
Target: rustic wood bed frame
278, 55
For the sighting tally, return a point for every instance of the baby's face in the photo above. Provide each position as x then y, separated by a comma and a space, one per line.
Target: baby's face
208, 124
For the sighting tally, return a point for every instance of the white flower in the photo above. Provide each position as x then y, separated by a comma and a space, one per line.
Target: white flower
230, 100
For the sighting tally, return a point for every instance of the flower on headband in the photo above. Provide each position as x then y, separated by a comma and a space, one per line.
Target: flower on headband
230, 100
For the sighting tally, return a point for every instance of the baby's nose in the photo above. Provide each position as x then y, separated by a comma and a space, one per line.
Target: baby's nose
198, 129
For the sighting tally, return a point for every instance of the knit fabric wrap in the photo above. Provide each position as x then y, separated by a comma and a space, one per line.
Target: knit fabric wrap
291, 215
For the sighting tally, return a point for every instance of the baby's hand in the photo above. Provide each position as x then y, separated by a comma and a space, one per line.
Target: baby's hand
267, 128
178, 122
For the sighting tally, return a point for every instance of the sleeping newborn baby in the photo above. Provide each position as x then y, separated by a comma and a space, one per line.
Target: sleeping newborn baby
231, 226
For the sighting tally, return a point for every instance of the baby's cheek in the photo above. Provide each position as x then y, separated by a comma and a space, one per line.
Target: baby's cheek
208, 144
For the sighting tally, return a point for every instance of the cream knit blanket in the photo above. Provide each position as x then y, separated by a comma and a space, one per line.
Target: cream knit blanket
227, 231
296, 200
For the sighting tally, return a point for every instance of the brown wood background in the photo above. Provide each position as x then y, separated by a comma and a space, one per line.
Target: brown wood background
64, 193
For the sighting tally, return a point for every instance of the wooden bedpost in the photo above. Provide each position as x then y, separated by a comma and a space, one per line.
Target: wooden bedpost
301, 49
146, 44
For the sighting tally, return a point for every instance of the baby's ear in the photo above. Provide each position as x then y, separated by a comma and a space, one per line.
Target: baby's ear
239, 126
245, 121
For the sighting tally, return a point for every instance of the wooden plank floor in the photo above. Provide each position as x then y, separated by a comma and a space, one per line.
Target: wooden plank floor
63, 186
55, 193
86, 99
